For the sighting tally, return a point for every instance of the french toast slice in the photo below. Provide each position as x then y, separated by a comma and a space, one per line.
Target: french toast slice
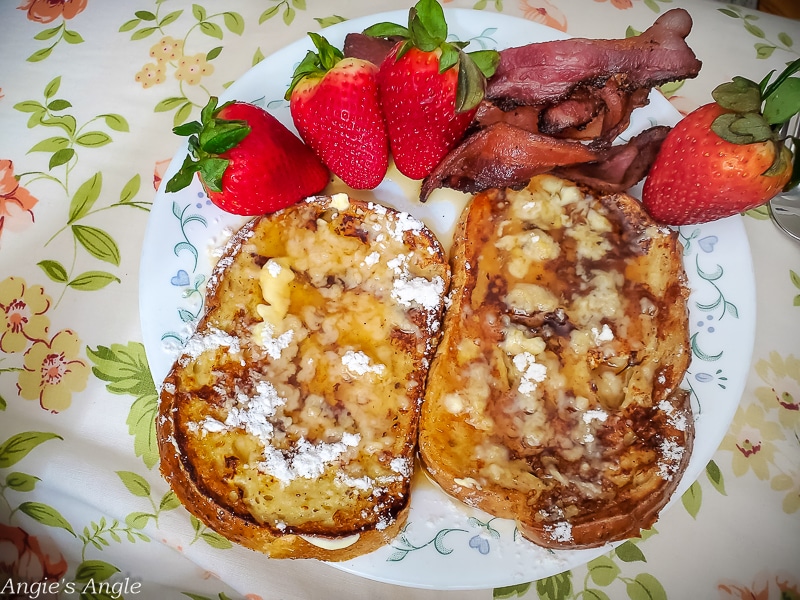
554, 397
289, 422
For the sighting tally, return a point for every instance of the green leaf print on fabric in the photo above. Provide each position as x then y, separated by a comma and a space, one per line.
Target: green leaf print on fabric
64, 155
94, 570
511, 591
140, 487
170, 52
482, 4
286, 8
18, 446
21, 482
692, 499
602, 572
12, 451
795, 279
645, 587
57, 35
328, 21
212, 538
766, 47
556, 587
96, 534
46, 515
126, 372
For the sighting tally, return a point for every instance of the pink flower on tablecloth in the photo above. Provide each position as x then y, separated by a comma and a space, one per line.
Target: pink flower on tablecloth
766, 585
47, 11
29, 558
620, 4
16, 203
789, 586
22, 314
542, 11
159, 170
192, 69
52, 371
751, 439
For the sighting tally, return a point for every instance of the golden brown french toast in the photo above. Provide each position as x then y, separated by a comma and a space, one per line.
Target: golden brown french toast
554, 397
289, 422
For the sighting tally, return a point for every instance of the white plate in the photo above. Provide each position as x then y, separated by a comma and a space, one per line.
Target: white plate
447, 545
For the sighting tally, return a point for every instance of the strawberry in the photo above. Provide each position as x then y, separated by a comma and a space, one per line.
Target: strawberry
429, 88
249, 163
335, 107
725, 157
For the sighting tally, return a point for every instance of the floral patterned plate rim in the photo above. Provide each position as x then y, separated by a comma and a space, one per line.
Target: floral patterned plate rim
447, 545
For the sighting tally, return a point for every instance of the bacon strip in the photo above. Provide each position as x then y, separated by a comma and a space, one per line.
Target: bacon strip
502, 155
620, 167
549, 71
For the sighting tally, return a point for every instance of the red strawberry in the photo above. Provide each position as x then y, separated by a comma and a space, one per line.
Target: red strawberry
725, 157
249, 163
429, 88
335, 107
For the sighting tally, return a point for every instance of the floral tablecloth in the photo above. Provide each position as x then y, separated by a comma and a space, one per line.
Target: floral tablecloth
89, 93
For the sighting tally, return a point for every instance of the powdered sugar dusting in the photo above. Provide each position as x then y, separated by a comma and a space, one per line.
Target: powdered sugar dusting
305, 460
671, 455
358, 363
207, 341
418, 290
560, 532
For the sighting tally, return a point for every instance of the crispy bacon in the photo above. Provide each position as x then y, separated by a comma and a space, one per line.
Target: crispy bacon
620, 167
501, 155
549, 71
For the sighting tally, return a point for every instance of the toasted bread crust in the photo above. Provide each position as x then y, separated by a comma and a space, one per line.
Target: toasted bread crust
292, 413
554, 395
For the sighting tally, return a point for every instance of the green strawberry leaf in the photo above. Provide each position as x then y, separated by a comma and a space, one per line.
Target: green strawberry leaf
486, 60
471, 84
740, 95
793, 68
783, 102
191, 128
745, 128
386, 30
209, 110
211, 171
422, 38
219, 136
427, 20
449, 58
328, 54
184, 176
315, 64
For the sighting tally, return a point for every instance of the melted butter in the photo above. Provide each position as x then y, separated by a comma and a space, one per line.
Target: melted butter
331, 543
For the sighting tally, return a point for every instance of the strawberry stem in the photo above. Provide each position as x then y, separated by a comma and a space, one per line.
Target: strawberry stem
315, 64
427, 31
208, 138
